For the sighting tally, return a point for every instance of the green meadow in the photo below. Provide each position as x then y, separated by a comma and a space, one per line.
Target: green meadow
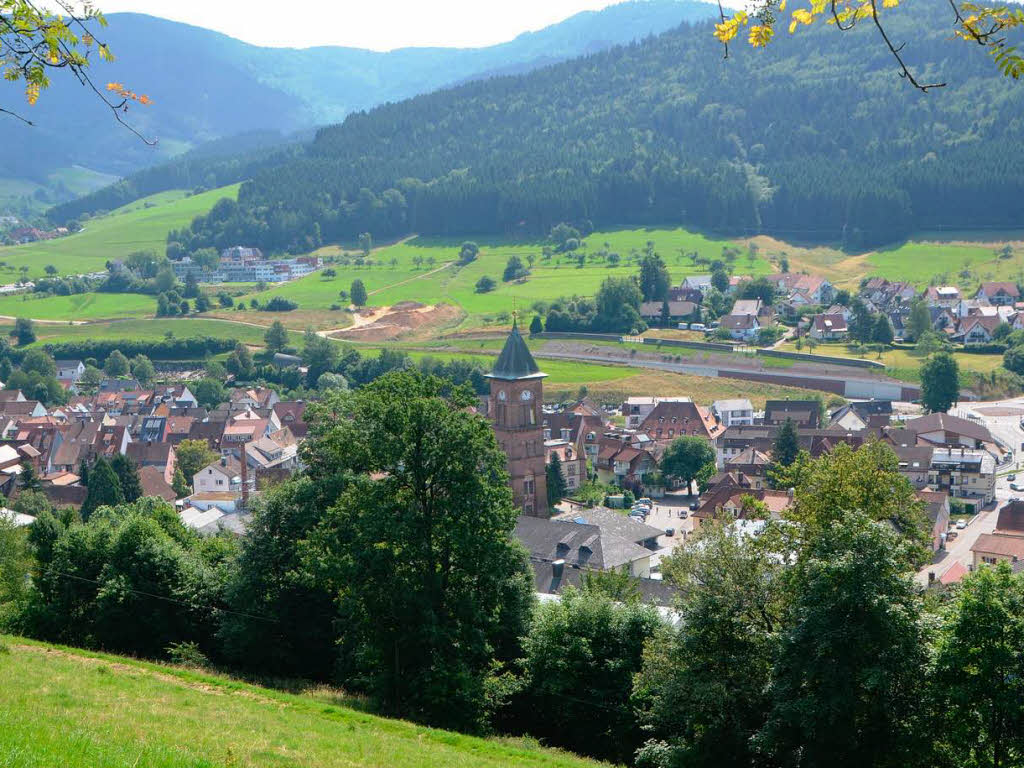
140, 226
74, 709
415, 270
80, 306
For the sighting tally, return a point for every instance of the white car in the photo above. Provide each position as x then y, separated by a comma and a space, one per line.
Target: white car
1016, 487
961, 524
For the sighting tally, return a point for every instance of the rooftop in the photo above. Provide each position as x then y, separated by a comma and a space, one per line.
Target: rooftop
515, 360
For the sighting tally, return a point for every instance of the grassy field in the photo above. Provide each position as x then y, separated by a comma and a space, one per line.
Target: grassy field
942, 260
152, 329
901, 363
135, 227
396, 275
79, 710
81, 306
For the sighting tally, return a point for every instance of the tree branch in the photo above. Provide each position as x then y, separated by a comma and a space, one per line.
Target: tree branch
904, 71
721, 16
16, 116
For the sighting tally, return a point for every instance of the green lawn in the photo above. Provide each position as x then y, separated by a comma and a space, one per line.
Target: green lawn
81, 306
135, 227
79, 710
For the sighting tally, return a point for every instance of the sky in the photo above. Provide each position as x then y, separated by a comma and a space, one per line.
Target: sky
377, 24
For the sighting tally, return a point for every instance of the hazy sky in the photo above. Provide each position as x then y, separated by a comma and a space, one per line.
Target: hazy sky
377, 24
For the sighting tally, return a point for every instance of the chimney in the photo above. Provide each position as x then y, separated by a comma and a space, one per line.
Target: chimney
245, 478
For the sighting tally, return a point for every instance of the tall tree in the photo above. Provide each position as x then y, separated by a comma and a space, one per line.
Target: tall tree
847, 687
319, 356
24, 331
116, 364
979, 671
685, 457
192, 456
940, 382
239, 362
127, 472
882, 332
703, 695
142, 369
191, 289
867, 479
358, 292
862, 323
918, 322
786, 445
556, 480
104, 488
29, 478
276, 337
431, 584
654, 278
581, 651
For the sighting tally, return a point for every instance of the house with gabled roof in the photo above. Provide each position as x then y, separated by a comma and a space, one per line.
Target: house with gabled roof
998, 293
671, 419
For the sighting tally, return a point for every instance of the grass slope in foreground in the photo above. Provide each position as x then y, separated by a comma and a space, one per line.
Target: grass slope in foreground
82, 710
115, 235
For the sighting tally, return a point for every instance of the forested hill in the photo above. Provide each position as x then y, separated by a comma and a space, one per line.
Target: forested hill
816, 138
206, 85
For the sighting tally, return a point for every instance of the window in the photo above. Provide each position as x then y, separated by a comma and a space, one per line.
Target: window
529, 487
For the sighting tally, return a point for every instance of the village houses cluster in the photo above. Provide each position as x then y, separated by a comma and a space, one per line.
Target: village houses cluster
254, 437
950, 461
808, 302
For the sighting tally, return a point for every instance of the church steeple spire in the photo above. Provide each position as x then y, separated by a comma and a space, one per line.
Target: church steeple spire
515, 361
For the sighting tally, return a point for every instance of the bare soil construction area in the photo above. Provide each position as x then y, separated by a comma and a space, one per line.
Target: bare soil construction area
403, 320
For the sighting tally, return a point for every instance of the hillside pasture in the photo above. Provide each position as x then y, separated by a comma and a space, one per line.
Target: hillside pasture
426, 270
139, 226
70, 708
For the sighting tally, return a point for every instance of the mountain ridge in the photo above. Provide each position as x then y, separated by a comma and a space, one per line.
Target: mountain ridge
207, 85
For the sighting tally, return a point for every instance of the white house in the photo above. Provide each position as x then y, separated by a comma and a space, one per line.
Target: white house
942, 296
1001, 293
742, 327
736, 412
828, 327
70, 370
700, 283
978, 330
222, 476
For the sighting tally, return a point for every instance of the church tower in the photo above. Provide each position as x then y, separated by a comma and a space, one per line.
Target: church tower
517, 393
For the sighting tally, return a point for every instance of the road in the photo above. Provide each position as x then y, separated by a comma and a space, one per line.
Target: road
1003, 420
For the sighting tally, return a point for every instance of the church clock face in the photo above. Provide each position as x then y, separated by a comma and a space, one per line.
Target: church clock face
526, 396
502, 395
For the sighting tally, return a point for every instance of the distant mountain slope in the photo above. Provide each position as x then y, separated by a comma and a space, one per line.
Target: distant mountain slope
206, 85
814, 139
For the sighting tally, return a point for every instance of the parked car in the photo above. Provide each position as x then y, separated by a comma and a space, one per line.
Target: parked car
694, 506
670, 531
683, 514
961, 524
1016, 487
697, 326
1011, 477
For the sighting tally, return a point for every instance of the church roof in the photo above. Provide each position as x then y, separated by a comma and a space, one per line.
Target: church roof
515, 360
